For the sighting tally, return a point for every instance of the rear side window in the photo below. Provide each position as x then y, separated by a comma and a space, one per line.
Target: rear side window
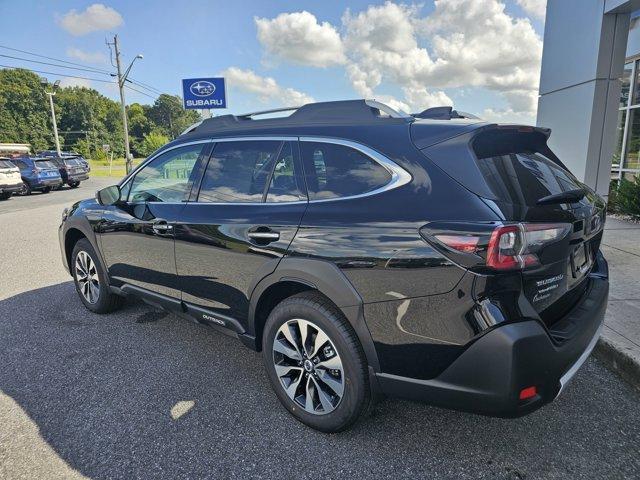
335, 171
238, 172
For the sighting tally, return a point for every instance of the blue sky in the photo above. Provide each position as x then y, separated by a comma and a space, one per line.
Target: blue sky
204, 38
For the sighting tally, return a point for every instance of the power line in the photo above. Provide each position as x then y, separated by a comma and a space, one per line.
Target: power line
86, 68
145, 85
141, 93
52, 58
54, 64
12, 67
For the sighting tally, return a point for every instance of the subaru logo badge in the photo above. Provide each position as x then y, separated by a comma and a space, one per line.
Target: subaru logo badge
202, 88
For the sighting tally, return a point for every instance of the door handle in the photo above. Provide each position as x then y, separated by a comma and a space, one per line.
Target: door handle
264, 235
161, 227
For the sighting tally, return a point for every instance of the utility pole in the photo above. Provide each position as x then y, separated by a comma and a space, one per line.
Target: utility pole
45, 83
122, 78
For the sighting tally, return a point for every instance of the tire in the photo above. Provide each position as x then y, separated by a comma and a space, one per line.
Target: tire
74, 184
46, 189
345, 350
26, 188
5, 196
96, 296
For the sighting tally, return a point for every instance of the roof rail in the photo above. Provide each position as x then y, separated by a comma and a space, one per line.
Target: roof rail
443, 113
267, 112
339, 112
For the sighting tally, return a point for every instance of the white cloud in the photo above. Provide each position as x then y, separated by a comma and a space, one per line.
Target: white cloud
471, 43
94, 18
89, 57
462, 43
266, 88
299, 38
75, 82
537, 8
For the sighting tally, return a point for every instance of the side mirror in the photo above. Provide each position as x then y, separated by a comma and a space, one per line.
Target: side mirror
109, 195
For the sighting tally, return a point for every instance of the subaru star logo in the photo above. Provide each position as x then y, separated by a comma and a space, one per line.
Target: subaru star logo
202, 88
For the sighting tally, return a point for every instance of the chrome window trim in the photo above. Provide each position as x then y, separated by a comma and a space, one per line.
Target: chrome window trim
399, 176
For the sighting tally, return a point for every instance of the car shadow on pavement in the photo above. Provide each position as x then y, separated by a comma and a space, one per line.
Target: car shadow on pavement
141, 393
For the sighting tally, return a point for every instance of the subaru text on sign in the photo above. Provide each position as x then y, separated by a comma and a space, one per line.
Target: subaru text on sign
204, 93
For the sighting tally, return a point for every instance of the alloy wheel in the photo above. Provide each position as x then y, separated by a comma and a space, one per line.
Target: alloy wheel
308, 366
87, 277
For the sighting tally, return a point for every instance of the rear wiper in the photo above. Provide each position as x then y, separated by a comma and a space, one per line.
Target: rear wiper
570, 196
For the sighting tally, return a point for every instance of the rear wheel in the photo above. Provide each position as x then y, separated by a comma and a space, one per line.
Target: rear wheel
46, 189
90, 279
4, 196
315, 363
26, 189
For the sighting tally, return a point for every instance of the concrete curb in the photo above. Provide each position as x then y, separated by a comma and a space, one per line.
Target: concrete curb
619, 356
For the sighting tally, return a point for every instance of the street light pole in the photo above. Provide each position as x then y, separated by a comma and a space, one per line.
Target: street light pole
53, 112
122, 78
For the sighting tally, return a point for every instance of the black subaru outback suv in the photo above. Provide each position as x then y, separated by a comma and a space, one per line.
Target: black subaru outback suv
364, 252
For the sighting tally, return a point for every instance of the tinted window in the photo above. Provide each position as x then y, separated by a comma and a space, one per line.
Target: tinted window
524, 178
6, 164
334, 171
45, 164
239, 171
167, 178
20, 164
286, 183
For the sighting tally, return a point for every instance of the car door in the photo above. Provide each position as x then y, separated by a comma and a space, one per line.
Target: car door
250, 201
137, 234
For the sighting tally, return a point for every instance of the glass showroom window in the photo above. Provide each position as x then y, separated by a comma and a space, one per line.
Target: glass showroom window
626, 157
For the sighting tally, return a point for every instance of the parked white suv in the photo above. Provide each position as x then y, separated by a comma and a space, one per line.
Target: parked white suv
10, 180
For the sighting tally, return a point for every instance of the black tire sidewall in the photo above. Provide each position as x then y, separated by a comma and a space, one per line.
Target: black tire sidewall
103, 297
356, 390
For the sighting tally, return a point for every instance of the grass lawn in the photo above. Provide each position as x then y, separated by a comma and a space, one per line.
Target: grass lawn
101, 168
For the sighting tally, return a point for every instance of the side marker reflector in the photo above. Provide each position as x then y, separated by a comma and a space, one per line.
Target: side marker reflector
527, 393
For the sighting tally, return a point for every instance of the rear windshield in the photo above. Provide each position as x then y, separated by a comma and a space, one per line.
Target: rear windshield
45, 164
518, 167
526, 177
6, 164
72, 162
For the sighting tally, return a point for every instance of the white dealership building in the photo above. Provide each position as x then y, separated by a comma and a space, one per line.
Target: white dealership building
590, 87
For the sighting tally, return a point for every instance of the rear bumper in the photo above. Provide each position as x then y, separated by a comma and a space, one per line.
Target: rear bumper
45, 182
13, 188
488, 377
77, 177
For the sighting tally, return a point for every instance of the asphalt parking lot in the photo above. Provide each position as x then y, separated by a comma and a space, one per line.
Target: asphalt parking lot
141, 394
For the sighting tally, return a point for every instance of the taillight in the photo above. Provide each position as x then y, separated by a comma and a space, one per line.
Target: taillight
499, 247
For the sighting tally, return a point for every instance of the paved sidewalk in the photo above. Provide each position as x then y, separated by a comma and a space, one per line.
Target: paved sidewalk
619, 345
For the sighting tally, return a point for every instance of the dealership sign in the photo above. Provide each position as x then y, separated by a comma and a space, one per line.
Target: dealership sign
204, 93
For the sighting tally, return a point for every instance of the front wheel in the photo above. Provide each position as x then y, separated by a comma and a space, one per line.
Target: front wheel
90, 279
4, 196
315, 363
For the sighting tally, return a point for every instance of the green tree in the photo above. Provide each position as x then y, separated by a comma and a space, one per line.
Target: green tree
24, 109
151, 142
168, 114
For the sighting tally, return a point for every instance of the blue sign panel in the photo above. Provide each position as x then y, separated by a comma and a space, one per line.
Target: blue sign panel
204, 93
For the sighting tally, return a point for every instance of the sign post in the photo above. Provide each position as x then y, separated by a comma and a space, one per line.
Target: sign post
204, 93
